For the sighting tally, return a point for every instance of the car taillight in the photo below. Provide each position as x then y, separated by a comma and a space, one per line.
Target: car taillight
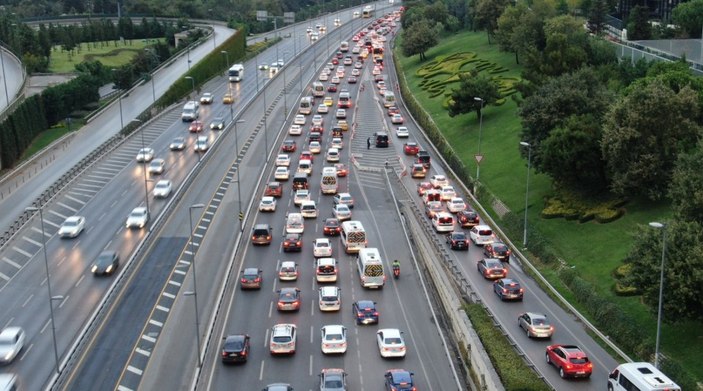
375, 313
258, 279
507, 252
299, 244
224, 354
359, 314
268, 237
522, 290
505, 290
243, 353
243, 280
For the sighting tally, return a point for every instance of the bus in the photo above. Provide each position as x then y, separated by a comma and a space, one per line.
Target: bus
306, 104
353, 236
388, 99
236, 72
367, 12
328, 183
318, 89
370, 268
344, 47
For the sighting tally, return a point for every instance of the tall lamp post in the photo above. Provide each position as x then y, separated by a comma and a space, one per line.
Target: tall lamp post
151, 75
480, 132
48, 283
195, 280
146, 188
192, 84
527, 189
119, 98
285, 100
266, 137
661, 226
239, 184
226, 53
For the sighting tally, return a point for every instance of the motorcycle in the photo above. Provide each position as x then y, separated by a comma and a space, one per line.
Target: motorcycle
396, 272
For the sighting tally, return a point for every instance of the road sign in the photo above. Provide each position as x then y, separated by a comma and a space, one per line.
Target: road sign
261, 16
241, 216
289, 17
478, 158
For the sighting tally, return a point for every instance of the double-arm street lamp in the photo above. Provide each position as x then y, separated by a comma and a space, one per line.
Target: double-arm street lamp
194, 293
661, 226
192, 83
146, 188
527, 189
239, 184
478, 153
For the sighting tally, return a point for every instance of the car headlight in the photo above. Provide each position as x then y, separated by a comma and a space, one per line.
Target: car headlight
94, 268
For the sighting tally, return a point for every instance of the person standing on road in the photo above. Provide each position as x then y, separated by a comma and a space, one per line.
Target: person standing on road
368, 143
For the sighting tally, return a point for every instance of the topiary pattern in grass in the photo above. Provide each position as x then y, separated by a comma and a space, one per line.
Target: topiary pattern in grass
572, 206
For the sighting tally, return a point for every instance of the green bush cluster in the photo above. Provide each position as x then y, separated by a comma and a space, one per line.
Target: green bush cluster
512, 370
621, 287
572, 207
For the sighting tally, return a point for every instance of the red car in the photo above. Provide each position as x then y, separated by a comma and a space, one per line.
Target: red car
422, 187
288, 146
341, 169
195, 127
467, 218
393, 110
411, 148
273, 189
335, 61
332, 88
306, 155
570, 360
317, 128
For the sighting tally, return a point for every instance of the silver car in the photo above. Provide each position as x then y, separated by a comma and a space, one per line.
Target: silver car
72, 227
145, 155
178, 144
535, 325
138, 218
157, 166
11, 342
162, 189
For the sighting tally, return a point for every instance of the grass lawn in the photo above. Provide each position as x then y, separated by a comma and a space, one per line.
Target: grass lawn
595, 250
110, 53
49, 136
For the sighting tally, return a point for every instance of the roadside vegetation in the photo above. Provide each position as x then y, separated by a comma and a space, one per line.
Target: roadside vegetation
111, 54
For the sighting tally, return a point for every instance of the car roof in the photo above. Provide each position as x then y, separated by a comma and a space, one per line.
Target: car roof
390, 333
251, 270
73, 219
9, 332
365, 303
481, 227
322, 240
329, 290
288, 264
333, 328
326, 261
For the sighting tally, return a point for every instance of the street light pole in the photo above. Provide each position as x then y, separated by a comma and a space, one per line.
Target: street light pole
146, 188
480, 132
153, 91
226, 53
527, 189
48, 284
119, 98
266, 137
285, 99
661, 226
195, 280
192, 83
239, 184
256, 62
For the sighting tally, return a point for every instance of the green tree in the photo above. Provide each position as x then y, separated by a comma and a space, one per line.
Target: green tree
644, 133
683, 270
420, 38
566, 46
686, 188
638, 26
521, 28
689, 17
597, 13
486, 14
472, 89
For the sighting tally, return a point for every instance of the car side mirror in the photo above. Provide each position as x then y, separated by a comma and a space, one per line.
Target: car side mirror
278, 291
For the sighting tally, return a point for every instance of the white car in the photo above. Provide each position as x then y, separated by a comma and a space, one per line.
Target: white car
295, 130
283, 339
337, 143
321, 247
438, 181
334, 339
323, 109
341, 114
402, 132
329, 298
280, 63
341, 212
324, 76
283, 160
288, 271
72, 227
337, 22
317, 120
332, 155
267, 204
390, 343
11, 342
447, 193
138, 218
145, 155
344, 198
356, 72
157, 166
335, 80
314, 36
162, 189
300, 196
456, 205
482, 234
281, 173
299, 119
315, 147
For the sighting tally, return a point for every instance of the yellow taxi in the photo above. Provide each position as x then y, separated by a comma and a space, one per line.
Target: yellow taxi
228, 99
343, 124
328, 101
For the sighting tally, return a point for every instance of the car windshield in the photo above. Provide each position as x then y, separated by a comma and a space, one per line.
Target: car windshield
329, 298
326, 269
70, 223
539, 322
393, 341
282, 339
401, 378
136, 214
323, 244
236, 344
333, 337
579, 360
333, 383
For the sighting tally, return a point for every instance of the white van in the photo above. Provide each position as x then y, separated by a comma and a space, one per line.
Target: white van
308, 209
641, 376
328, 183
443, 222
294, 223
305, 167
370, 267
191, 111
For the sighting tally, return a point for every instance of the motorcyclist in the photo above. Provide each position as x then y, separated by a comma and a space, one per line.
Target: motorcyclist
396, 265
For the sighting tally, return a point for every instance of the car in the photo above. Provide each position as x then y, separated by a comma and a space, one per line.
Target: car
145, 155
343, 124
433, 207
273, 69
332, 155
356, 72
491, 268
201, 144
177, 144
418, 171
283, 160
251, 278
278, 387
570, 360
498, 250
289, 299
348, 61
328, 101
267, 204
11, 343
468, 218
341, 212
399, 380
300, 196
235, 348
336, 79
438, 181
72, 227
315, 147
422, 187
344, 198
207, 98
358, 65
317, 120
329, 298
322, 109
331, 227
508, 289
447, 193
333, 379
481, 235
352, 79
195, 126
391, 110
334, 339
293, 242
331, 88
263, 67
261, 234
535, 325
156, 166
337, 143
390, 343
456, 205
299, 120
337, 22
295, 130
321, 247
217, 123
228, 98
457, 240
273, 189
341, 169
288, 146
288, 271
138, 218
402, 132
381, 84
323, 76
341, 113
281, 173
162, 189
280, 63
308, 209
283, 339
106, 263
315, 136
365, 312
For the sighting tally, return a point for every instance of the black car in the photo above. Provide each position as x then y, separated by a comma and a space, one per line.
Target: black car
315, 136
497, 250
399, 380
365, 312
235, 348
217, 124
289, 299
508, 289
261, 234
467, 218
331, 227
457, 240
293, 242
423, 157
251, 278
106, 264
